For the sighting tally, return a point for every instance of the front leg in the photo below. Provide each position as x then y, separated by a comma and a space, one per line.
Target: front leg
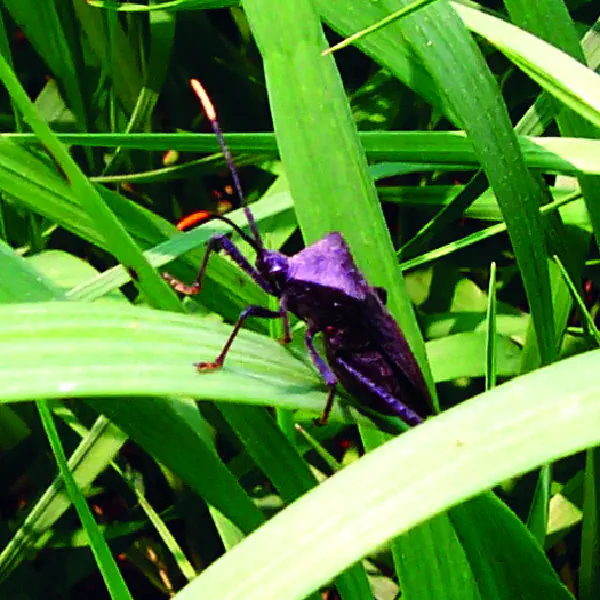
326, 373
217, 243
250, 311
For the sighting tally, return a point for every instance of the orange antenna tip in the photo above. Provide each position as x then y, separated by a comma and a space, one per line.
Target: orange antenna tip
207, 105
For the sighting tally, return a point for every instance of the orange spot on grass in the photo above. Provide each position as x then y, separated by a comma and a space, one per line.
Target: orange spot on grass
193, 219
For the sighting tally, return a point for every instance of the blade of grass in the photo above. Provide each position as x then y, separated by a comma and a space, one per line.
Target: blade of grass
62, 349
399, 14
325, 165
327, 458
276, 456
537, 519
463, 451
442, 149
21, 282
566, 79
106, 563
446, 49
583, 310
550, 21
173, 5
477, 236
490, 358
316, 136
589, 572
90, 458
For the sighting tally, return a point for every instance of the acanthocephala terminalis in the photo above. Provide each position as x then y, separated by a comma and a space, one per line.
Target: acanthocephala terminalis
365, 349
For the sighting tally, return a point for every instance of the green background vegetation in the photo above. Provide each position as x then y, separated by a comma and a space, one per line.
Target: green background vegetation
455, 148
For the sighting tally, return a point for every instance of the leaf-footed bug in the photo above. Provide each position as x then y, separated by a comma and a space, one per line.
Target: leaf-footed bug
365, 349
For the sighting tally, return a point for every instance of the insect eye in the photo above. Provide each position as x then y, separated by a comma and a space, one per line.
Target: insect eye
329, 330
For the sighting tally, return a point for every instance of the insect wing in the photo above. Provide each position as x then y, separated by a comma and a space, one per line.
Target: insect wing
387, 336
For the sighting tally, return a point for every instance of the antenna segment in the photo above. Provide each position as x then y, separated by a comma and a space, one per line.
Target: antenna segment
211, 114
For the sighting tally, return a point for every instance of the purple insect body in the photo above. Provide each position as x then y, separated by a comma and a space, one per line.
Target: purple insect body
366, 350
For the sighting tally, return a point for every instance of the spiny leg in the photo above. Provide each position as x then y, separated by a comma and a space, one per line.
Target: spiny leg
250, 311
408, 415
217, 243
326, 373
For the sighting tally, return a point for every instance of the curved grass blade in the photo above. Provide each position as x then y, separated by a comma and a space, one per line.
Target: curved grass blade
564, 77
463, 451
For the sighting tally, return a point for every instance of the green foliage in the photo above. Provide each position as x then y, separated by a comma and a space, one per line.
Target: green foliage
182, 471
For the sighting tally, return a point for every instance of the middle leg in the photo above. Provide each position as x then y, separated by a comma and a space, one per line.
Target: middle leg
326, 373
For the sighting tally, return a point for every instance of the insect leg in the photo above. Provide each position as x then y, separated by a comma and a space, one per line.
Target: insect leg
327, 374
217, 243
408, 415
287, 334
250, 311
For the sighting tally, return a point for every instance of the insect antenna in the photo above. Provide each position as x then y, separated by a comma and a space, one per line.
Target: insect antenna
211, 115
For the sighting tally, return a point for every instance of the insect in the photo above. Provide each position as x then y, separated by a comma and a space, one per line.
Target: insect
365, 349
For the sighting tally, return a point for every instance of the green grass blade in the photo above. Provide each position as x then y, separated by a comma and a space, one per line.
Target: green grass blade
491, 354
448, 150
565, 78
90, 458
21, 282
324, 161
537, 519
550, 20
545, 107
448, 52
106, 563
464, 451
478, 236
583, 309
291, 476
589, 573
399, 14
163, 531
172, 5
61, 349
